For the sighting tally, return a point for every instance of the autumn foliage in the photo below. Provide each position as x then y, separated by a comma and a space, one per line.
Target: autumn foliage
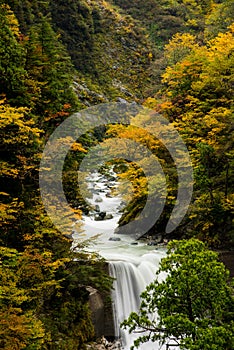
177, 59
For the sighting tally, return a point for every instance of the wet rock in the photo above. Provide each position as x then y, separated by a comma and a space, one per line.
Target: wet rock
95, 191
100, 216
97, 208
110, 185
98, 200
108, 217
97, 310
116, 345
104, 344
117, 230
111, 179
121, 206
152, 243
116, 239
155, 240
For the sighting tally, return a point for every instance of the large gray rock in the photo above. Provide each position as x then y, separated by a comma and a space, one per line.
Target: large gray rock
101, 314
97, 311
98, 200
108, 216
115, 239
97, 208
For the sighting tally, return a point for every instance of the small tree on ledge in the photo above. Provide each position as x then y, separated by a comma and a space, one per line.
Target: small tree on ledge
190, 301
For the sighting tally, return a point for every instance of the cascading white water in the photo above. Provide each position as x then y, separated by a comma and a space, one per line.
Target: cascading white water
132, 266
131, 278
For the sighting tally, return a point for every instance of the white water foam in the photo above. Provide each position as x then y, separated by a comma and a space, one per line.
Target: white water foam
132, 266
132, 274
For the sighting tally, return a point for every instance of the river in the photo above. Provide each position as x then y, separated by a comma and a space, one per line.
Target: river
132, 264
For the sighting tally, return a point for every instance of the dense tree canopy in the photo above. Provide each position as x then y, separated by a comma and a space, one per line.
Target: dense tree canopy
199, 101
197, 98
42, 287
175, 57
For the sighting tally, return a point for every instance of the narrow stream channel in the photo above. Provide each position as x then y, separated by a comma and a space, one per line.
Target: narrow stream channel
132, 264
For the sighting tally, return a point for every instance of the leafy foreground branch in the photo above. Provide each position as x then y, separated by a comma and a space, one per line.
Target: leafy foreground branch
191, 301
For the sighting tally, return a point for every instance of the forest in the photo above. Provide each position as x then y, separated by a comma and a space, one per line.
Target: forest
175, 57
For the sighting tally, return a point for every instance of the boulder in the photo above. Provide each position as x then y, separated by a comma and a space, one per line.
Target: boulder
97, 217
98, 200
97, 208
108, 217
152, 243
100, 216
97, 311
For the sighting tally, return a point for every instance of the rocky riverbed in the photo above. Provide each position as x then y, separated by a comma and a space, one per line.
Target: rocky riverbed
104, 344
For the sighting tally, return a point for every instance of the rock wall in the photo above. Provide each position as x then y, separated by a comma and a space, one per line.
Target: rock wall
102, 314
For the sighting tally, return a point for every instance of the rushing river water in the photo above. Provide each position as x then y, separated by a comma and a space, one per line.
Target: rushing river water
132, 265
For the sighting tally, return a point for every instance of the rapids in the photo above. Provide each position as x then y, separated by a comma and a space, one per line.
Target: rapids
132, 265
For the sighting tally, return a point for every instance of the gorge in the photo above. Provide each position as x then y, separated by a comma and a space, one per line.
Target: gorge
59, 59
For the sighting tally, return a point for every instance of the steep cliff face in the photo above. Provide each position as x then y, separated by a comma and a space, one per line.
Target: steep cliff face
107, 47
113, 43
110, 50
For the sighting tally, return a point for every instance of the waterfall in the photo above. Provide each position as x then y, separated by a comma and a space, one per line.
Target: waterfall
132, 265
131, 275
